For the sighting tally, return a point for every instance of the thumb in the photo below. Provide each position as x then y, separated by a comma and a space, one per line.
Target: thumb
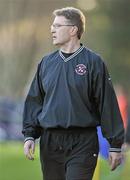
111, 162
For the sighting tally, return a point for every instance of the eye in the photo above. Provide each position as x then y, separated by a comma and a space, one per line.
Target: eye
56, 25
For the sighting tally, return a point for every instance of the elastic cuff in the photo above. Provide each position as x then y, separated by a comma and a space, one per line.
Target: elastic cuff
28, 138
115, 150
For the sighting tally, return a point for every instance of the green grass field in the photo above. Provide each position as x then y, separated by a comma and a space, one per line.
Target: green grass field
14, 166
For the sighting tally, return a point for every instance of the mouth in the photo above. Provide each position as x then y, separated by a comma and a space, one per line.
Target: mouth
53, 37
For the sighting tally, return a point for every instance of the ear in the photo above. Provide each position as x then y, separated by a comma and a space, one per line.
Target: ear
74, 30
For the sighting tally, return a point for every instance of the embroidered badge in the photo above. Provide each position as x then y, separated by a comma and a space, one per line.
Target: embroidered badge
80, 69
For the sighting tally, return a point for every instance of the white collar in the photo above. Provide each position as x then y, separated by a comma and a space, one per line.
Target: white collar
73, 55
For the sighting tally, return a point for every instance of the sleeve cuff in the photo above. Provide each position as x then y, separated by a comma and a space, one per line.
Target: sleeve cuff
115, 150
28, 138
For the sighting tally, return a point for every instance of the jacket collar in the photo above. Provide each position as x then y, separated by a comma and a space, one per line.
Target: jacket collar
73, 55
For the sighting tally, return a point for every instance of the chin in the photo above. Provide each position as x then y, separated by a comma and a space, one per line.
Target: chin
56, 43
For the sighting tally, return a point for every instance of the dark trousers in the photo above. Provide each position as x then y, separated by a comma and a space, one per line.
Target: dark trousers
69, 154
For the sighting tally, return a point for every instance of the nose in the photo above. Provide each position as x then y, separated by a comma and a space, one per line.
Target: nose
53, 29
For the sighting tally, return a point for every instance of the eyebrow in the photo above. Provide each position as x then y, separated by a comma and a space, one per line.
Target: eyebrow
56, 24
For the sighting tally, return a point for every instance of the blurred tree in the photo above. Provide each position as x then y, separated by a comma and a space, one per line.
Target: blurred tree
109, 34
25, 37
119, 38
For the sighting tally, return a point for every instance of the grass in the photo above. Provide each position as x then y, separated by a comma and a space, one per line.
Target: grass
14, 165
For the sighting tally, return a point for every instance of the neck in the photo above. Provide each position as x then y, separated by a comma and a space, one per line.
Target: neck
70, 46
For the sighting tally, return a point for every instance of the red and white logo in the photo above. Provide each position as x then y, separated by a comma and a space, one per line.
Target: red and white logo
80, 69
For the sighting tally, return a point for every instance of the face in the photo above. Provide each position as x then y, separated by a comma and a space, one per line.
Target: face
61, 30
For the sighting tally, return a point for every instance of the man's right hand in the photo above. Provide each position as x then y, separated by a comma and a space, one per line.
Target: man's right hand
29, 149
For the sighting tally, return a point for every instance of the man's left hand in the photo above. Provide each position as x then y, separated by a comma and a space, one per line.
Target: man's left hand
115, 159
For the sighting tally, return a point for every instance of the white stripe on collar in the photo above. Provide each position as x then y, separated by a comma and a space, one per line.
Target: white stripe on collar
71, 56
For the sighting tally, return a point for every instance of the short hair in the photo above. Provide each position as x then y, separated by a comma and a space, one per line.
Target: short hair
75, 16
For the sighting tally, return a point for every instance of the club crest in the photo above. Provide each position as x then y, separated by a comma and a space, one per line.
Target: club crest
80, 69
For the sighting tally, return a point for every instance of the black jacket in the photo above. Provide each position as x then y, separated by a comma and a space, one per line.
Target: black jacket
73, 92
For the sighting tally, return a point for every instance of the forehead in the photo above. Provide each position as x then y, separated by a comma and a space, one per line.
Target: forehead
60, 19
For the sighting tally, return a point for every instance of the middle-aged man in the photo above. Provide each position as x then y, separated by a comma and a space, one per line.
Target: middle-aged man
71, 94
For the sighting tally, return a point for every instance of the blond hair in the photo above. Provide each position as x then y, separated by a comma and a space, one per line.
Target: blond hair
75, 16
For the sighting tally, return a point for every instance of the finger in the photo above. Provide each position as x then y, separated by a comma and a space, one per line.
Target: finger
111, 163
33, 148
29, 155
26, 150
115, 164
113, 167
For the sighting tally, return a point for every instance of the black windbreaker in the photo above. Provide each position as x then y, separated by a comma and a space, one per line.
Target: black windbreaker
73, 92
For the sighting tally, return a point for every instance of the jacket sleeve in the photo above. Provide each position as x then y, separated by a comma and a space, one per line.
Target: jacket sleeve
107, 106
32, 107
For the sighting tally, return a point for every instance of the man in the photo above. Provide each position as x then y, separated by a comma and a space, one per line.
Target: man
71, 95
